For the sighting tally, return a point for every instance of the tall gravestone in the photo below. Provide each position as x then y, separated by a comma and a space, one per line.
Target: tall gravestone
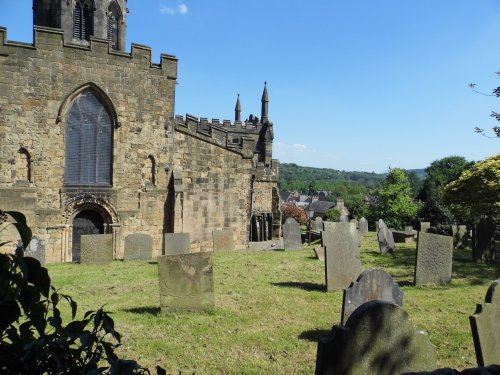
342, 261
377, 339
177, 243
485, 325
36, 249
292, 237
424, 226
223, 239
483, 240
385, 238
186, 282
433, 262
96, 248
363, 226
459, 233
138, 246
372, 284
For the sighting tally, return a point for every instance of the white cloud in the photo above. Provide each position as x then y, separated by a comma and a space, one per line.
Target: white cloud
296, 148
181, 8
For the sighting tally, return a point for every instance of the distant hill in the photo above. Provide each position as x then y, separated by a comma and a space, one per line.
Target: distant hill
419, 172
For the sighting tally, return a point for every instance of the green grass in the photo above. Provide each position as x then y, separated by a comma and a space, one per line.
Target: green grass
270, 309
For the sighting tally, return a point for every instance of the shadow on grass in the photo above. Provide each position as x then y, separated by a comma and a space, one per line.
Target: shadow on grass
302, 285
314, 335
144, 310
153, 262
473, 273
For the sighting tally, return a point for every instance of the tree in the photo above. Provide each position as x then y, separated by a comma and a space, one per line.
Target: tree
333, 214
292, 210
440, 173
394, 201
495, 115
477, 190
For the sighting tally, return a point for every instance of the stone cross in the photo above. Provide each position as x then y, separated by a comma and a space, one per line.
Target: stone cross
342, 261
434, 259
485, 326
377, 339
292, 237
372, 284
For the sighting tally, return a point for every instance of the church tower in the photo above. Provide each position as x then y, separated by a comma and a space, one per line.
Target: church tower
82, 19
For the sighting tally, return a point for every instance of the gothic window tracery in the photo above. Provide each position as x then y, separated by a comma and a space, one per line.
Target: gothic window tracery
89, 137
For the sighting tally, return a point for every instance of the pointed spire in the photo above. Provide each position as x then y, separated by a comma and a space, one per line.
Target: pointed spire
237, 110
265, 105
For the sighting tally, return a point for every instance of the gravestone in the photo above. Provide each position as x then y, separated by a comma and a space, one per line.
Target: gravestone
434, 259
459, 233
485, 326
483, 241
317, 224
385, 238
138, 246
177, 243
96, 248
36, 249
186, 282
342, 261
292, 238
320, 253
372, 284
377, 339
409, 229
355, 222
223, 239
363, 226
424, 226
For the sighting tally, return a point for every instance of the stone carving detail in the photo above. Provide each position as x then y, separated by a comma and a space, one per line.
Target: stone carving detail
485, 325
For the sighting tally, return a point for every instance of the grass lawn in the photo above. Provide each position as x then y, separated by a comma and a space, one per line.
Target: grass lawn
270, 309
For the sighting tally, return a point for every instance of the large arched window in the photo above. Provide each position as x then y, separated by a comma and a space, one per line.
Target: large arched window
89, 139
82, 20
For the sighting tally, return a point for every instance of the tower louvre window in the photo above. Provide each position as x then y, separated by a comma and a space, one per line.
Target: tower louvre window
77, 21
82, 22
114, 17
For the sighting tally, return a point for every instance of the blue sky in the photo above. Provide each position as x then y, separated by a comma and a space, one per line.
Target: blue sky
353, 84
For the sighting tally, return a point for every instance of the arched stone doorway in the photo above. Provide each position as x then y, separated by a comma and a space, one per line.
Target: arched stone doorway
87, 221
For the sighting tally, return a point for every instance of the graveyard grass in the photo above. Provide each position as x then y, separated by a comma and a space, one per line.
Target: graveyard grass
270, 309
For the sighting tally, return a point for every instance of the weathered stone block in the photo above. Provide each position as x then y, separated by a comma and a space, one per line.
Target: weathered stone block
223, 239
342, 261
372, 284
138, 246
96, 248
186, 282
378, 339
485, 325
177, 243
434, 259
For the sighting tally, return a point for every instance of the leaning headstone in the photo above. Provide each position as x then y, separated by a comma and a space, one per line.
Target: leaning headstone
320, 253
186, 282
424, 226
377, 339
96, 248
342, 261
459, 233
434, 259
372, 284
385, 239
138, 246
483, 241
292, 235
317, 224
223, 239
363, 226
36, 249
177, 243
485, 325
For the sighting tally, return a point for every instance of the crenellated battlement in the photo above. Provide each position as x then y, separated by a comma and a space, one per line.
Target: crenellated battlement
50, 39
203, 124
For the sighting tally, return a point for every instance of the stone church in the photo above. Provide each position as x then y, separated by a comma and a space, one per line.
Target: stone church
90, 142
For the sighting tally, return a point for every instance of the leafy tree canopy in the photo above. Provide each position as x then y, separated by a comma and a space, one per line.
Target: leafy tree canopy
477, 190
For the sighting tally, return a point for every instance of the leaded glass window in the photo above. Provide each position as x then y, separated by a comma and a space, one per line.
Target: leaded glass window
89, 137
